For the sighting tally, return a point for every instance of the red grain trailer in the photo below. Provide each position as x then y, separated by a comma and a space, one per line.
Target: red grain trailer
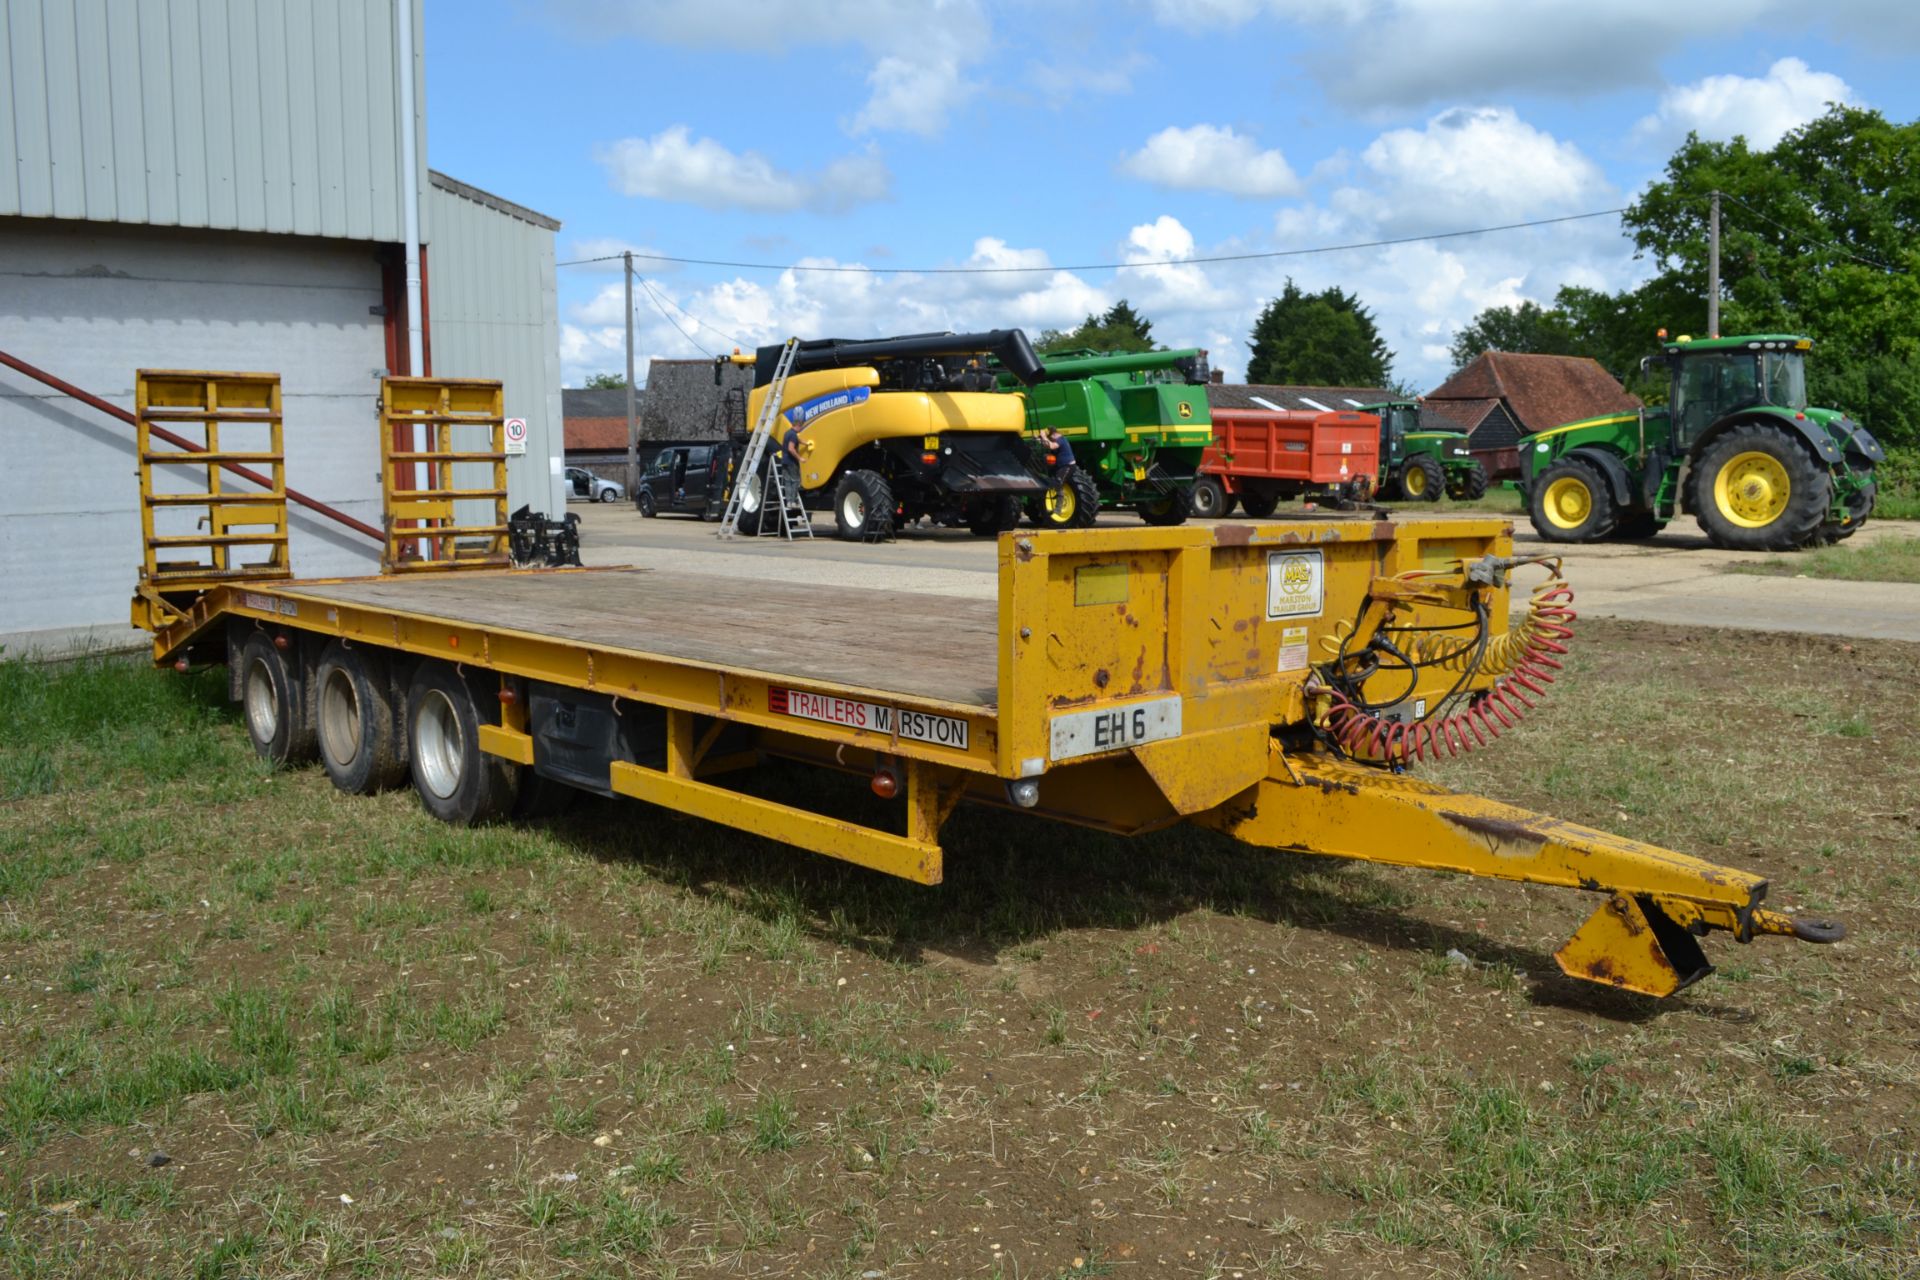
1260, 457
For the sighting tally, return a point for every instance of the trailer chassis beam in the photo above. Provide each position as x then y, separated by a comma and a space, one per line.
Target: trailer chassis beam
1644, 938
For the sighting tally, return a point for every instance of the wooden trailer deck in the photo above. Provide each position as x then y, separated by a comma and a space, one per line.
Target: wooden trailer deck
922, 647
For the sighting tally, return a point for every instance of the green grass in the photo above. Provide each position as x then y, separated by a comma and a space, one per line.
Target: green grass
1880, 560
804, 1068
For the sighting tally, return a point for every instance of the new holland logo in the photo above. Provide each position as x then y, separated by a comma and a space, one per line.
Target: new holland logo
807, 410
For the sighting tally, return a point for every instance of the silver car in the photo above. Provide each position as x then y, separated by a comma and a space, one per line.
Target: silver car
584, 486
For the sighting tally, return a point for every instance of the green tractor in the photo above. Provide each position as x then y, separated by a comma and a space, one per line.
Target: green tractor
1736, 445
1416, 465
1136, 422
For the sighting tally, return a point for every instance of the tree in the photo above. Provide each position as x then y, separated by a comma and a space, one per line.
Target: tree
1320, 339
1120, 329
606, 381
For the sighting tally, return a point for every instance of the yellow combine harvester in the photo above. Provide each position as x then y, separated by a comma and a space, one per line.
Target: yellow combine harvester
1271, 681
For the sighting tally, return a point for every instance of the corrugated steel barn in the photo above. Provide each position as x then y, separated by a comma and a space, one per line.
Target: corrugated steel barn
219, 185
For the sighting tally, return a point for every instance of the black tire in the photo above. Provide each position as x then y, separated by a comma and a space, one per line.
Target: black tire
1259, 504
752, 503
456, 781
992, 516
1468, 483
1421, 479
1075, 502
1637, 526
1569, 502
1170, 508
645, 504
354, 721
1209, 499
863, 507
275, 715
1730, 476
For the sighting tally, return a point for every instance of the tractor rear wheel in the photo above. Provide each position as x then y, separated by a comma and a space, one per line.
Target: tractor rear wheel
1421, 478
990, 517
1758, 489
1259, 503
1468, 483
1569, 502
1209, 498
1072, 503
863, 507
1170, 508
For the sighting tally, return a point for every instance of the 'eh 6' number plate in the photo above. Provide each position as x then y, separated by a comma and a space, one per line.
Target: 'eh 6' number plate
1086, 733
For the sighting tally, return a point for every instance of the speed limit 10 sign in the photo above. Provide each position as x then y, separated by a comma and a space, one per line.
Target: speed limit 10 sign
516, 435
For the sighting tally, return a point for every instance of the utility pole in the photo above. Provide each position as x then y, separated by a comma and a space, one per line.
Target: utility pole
633, 429
1713, 265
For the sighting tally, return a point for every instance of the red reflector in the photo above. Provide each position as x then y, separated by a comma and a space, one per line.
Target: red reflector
885, 785
929, 458
181, 665
282, 643
508, 696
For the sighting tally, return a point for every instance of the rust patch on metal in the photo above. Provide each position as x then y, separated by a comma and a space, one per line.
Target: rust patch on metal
1232, 535
1385, 531
1496, 828
1100, 678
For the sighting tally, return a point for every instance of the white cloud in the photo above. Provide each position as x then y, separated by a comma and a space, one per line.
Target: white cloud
1760, 108
674, 165
1405, 53
1209, 157
1473, 166
921, 50
1063, 82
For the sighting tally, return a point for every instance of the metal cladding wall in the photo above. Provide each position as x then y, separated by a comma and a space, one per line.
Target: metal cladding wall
250, 115
494, 313
93, 302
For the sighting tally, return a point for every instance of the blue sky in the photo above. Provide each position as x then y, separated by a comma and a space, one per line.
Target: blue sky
946, 133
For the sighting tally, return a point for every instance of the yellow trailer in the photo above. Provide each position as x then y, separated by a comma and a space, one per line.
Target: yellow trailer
1241, 677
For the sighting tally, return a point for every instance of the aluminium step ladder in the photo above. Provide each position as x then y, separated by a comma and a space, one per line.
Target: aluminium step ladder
777, 492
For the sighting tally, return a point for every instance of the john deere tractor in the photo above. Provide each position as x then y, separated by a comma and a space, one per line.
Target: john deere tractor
1736, 445
1137, 423
893, 429
1416, 465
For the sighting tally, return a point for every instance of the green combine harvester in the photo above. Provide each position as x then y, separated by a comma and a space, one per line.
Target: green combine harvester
1736, 445
1137, 423
1417, 465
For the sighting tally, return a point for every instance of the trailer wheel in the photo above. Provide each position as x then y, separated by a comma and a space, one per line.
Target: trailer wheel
1210, 499
1569, 503
1259, 503
1759, 489
456, 781
863, 507
1170, 508
1468, 483
1421, 479
277, 722
992, 516
354, 721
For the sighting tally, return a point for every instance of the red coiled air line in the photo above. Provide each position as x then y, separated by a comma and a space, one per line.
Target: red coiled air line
1530, 658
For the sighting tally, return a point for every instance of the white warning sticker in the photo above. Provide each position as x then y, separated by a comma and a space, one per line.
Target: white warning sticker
1293, 649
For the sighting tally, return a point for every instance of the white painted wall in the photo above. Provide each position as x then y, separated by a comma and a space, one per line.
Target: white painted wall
93, 302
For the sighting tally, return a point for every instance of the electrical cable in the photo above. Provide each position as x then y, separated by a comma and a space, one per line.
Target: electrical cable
1097, 266
1804, 238
644, 284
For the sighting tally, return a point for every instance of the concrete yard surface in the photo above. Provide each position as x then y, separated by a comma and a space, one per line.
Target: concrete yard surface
1675, 578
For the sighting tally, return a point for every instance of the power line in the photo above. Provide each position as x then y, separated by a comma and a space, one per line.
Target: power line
667, 316
1099, 266
1804, 238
